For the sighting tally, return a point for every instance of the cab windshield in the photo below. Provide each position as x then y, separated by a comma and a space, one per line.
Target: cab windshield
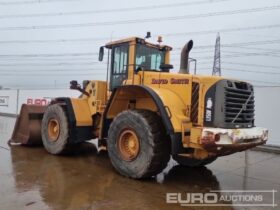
149, 58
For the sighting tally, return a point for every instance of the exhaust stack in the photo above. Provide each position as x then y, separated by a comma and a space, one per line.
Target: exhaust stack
184, 63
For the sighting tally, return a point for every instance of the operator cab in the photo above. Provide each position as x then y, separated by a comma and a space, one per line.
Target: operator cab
129, 56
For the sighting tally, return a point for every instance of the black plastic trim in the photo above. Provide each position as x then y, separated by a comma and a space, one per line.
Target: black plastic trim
176, 143
228, 97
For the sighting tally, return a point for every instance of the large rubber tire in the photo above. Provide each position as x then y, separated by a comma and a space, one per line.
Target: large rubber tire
191, 162
154, 149
55, 112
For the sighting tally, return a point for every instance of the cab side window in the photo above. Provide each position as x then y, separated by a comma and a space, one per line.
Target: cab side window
119, 65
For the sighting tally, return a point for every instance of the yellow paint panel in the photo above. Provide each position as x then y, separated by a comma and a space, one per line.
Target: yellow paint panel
174, 106
82, 112
146, 103
196, 135
130, 98
131, 57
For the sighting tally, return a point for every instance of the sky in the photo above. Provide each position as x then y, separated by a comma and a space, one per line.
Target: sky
47, 43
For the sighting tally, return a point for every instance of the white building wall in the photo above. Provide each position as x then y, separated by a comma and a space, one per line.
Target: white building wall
8, 101
11, 100
267, 111
43, 97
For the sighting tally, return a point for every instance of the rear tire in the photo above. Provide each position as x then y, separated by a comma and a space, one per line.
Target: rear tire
149, 152
54, 130
191, 162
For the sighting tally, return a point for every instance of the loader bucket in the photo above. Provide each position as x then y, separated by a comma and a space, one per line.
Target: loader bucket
27, 130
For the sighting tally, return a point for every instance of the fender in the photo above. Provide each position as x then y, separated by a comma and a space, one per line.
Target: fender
166, 103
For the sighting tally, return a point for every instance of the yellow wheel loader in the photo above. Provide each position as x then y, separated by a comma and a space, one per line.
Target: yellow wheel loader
146, 114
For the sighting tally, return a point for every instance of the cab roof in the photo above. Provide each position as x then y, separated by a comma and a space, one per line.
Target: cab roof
137, 40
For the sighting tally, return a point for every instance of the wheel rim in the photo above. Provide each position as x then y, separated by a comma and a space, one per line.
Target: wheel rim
128, 144
53, 129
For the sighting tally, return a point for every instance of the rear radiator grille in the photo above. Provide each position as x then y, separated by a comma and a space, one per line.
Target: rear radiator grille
195, 100
239, 105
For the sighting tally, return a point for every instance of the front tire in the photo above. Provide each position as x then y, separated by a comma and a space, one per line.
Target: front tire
137, 144
54, 130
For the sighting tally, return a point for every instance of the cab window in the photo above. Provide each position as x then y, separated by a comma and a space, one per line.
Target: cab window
148, 57
119, 65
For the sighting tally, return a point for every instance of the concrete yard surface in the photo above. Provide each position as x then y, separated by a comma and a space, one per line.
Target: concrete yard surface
33, 179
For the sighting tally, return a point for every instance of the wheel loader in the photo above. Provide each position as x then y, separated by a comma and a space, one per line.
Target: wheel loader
145, 114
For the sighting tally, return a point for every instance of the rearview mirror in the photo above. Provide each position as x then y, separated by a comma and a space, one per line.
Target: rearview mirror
101, 53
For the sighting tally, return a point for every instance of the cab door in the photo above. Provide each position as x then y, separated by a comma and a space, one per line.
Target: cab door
119, 65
